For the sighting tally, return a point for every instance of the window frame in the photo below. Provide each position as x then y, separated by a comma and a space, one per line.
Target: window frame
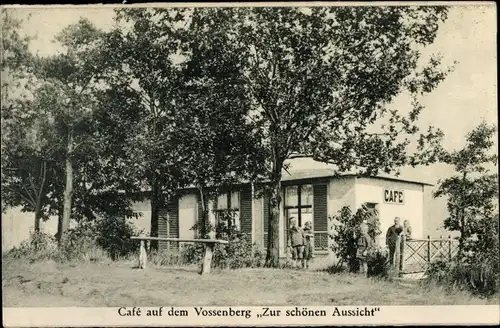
299, 205
230, 206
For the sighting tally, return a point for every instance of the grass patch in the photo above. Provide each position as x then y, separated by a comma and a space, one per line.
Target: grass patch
106, 283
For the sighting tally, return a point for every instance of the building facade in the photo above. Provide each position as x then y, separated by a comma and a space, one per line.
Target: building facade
310, 192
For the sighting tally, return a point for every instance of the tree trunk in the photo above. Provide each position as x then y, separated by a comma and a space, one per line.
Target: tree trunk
272, 256
202, 225
38, 215
38, 206
155, 208
68, 190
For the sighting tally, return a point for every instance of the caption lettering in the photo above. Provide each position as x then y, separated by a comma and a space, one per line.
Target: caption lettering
247, 313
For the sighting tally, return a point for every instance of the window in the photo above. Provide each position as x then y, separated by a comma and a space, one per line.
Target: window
225, 202
298, 203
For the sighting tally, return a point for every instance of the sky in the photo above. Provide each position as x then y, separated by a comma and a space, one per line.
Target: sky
456, 106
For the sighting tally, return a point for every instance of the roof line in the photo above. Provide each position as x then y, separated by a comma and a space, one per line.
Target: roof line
329, 176
390, 178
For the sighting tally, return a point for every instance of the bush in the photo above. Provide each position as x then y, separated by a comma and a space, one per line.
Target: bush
89, 241
78, 243
477, 268
113, 236
239, 253
480, 278
346, 229
40, 246
378, 263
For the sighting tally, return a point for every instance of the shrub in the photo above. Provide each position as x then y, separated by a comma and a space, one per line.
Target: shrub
78, 243
345, 232
89, 241
40, 246
477, 268
479, 277
113, 236
239, 253
378, 263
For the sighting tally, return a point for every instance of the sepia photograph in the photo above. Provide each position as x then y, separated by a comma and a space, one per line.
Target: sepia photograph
259, 161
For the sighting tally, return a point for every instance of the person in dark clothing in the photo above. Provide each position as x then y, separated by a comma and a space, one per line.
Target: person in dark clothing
391, 238
296, 242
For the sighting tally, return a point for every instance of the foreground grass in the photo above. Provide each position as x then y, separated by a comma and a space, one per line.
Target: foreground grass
118, 284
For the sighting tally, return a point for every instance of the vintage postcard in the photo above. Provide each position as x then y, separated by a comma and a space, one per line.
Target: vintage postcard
250, 164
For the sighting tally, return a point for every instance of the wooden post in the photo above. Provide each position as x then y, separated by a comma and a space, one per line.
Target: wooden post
397, 255
449, 248
207, 259
143, 256
428, 249
403, 247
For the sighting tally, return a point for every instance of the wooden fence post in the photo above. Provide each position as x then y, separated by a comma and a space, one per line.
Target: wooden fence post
428, 249
397, 255
403, 247
207, 258
143, 256
449, 248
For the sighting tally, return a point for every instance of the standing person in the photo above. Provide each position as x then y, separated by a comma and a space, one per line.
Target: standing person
364, 244
407, 229
406, 236
391, 238
296, 242
308, 243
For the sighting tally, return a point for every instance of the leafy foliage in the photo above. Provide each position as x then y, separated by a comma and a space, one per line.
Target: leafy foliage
472, 194
318, 80
346, 228
239, 253
90, 240
378, 263
472, 201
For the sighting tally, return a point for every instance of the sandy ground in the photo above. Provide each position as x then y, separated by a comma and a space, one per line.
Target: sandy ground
119, 284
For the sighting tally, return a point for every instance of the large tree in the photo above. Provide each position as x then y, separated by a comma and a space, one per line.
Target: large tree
221, 143
42, 99
67, 83
173, 132
143, 80
472, 193
26, 131
320, 80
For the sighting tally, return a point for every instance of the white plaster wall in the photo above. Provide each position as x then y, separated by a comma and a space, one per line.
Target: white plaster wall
341, 192
371, 190
17, 227
188, 206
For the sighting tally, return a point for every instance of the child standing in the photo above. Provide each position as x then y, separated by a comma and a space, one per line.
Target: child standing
364, 243
296, 242
308, 243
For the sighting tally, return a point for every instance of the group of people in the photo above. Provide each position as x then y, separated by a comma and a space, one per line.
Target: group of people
300, 243
365, 242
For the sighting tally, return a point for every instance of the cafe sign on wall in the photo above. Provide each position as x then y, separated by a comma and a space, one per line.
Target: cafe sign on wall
392, 196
